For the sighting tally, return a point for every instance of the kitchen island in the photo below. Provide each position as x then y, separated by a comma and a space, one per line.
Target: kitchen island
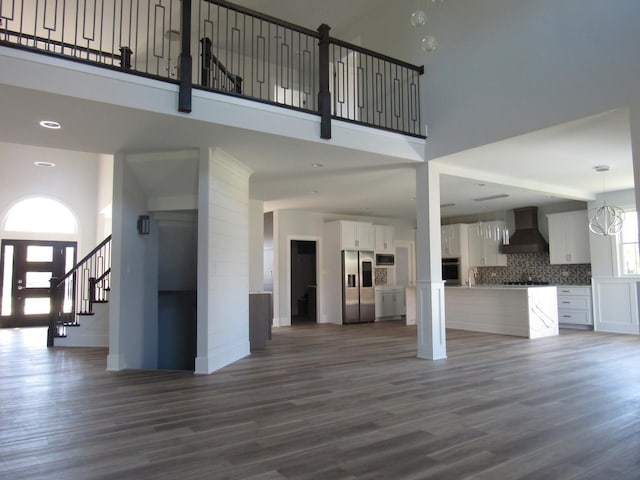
524, 311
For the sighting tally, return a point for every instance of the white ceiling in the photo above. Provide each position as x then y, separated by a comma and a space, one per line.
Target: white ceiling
539, 168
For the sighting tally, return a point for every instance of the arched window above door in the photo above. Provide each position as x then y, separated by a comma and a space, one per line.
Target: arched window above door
42, 215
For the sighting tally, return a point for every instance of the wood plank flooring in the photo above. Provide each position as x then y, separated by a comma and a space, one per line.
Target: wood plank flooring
329, 402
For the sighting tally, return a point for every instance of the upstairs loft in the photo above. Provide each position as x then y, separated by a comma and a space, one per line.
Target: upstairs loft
215, 46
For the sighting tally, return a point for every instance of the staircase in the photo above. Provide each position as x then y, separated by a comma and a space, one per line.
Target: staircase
79, 291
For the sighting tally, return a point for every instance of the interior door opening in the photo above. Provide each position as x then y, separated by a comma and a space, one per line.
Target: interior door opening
304, 309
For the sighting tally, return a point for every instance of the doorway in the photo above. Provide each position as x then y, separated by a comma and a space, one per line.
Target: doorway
303, 282
26, 266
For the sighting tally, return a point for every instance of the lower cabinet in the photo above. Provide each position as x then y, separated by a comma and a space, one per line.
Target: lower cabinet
390, 302
575, 307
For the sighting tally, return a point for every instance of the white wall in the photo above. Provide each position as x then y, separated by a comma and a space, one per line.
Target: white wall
223, 261
72, 182
507, 67
256, 246
104, 197
133, 315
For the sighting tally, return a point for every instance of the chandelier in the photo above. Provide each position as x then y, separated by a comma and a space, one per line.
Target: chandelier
605, 220
428, 42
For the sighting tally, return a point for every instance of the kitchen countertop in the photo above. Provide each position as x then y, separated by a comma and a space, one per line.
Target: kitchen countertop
500, 287
523, 310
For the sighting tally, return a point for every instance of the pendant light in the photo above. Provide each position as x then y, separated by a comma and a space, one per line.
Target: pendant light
428, 43
605, 220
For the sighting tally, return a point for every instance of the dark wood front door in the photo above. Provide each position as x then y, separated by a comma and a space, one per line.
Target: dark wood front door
26, 267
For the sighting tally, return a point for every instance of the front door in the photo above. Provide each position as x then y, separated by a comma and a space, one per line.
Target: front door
26, 267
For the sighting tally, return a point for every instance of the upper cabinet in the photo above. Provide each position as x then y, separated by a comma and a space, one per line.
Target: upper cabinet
485, 251
356, 235
569, 237
453, 240
385, 238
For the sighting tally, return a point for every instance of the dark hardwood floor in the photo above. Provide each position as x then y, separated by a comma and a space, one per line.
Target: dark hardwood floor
329, 402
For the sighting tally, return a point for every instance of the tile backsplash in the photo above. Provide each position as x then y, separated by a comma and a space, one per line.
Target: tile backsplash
536, 266
381, 276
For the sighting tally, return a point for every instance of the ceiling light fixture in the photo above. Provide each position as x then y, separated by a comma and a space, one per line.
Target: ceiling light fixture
50, 124
605, 220
44, 164
491, 197
428, 43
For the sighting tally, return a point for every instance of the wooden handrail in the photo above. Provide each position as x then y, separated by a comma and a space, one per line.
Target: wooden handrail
84, 260
262, 16
102, 277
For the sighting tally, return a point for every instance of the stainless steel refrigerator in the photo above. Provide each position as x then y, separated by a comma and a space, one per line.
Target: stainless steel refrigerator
358, 293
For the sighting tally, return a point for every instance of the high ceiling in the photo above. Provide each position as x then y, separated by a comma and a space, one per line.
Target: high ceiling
541, 167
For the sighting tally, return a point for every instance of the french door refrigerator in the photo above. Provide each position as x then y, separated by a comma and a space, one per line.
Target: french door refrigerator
358, 294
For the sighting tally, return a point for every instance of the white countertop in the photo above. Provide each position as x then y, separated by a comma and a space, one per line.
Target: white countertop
500, 287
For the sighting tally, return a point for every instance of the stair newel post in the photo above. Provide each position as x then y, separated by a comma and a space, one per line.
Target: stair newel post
186, 80
324, 95
125, 58
51, 331
206, 58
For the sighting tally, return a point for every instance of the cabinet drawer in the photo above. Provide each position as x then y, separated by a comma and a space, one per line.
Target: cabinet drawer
574, 290
571, 303
574, 316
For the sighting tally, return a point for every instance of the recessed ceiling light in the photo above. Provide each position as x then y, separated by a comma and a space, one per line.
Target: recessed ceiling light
44, 164
50, 124
317, 165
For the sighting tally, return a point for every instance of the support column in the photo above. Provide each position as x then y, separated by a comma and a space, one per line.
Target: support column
223, 261
430, 316
634, 121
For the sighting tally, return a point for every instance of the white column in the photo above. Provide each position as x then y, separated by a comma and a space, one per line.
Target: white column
429, 285
223, 261
634, 120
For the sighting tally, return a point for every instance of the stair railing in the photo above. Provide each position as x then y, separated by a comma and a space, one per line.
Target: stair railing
212, 68
74, 294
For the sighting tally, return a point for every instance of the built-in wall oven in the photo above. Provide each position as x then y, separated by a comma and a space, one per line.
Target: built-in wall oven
451, 271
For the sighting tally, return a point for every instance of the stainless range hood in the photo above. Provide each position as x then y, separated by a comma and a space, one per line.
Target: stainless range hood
526, 238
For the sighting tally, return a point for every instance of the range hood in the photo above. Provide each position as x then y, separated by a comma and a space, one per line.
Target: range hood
526, 238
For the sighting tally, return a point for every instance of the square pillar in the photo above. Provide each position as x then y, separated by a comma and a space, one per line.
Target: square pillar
223, 261
430, 314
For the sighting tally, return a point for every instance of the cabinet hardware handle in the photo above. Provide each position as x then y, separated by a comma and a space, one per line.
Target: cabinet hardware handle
566, 316
566, 302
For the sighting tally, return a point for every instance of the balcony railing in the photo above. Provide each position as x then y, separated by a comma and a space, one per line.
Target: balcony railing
235, 51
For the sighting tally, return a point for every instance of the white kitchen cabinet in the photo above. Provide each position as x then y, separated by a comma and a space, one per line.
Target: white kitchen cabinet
569, 237
390, 302
483, 251
453, 239
385, 238
574, 306
356, 235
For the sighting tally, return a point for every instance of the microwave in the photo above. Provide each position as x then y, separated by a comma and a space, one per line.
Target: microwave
385, 259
